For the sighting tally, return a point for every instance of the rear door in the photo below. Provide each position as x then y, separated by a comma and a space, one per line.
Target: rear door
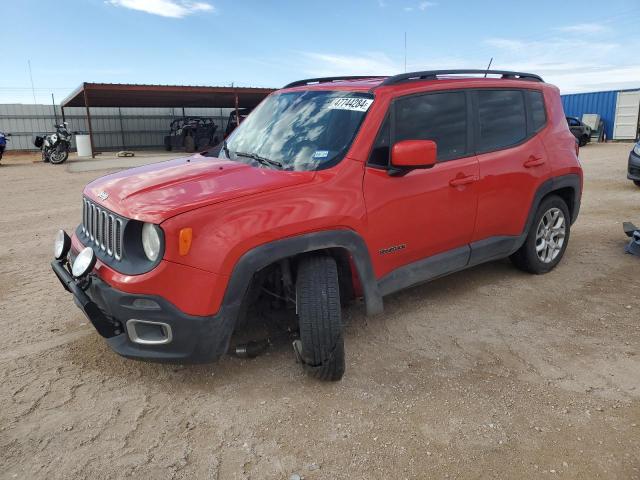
512, 163
424, 212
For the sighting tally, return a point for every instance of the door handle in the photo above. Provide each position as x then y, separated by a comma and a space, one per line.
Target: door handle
459, 181
534, 162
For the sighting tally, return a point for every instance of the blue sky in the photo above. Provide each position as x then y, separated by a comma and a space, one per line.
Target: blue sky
579, 46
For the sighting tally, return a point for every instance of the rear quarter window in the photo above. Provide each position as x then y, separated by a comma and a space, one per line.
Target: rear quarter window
538, 112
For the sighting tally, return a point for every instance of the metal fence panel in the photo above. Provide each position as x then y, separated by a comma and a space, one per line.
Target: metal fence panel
113, 128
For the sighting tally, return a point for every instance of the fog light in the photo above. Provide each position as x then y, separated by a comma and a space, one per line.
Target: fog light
84, 262
61, 245
145, 304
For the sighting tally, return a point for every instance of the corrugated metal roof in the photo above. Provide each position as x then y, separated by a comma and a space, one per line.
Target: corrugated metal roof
602, 103
138, 95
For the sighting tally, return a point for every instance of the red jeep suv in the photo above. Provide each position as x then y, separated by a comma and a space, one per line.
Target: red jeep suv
332, 189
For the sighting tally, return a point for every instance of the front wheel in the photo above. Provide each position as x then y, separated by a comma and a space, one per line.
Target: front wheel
547, 239
636, 182
59, 155
318, 306
583, 140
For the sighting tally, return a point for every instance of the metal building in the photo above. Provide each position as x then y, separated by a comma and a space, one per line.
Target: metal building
124, 116
619, 109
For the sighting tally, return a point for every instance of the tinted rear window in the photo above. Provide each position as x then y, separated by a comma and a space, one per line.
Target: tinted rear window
501, 118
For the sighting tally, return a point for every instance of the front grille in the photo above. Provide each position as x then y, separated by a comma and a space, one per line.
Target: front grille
102, 228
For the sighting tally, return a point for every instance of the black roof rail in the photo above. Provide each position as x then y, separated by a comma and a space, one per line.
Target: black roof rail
309, 81
433, 75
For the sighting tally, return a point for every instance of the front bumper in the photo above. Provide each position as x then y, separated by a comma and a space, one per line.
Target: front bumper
633, 169
191, 339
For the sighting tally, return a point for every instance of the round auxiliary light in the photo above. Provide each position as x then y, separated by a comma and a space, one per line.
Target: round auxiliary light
84, 262
61, 245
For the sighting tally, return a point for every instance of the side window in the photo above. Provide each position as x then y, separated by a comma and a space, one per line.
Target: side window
538, 113
573, 122
441, 117
501, 119
380, 152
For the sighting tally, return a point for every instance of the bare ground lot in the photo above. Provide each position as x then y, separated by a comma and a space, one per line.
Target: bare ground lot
485, 373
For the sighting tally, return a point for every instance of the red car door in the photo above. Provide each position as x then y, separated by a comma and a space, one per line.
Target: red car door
427, 212
512, 160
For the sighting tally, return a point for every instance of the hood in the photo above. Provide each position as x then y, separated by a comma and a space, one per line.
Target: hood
156, 192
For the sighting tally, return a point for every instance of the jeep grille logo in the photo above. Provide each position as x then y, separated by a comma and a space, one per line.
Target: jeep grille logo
103, 195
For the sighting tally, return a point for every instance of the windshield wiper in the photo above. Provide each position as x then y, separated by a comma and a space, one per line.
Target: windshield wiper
260, 160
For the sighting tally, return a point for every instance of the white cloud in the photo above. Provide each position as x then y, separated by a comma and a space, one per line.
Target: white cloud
505, 43
585, 28
565, 62
425, 5
421, 6
314, 64
165, 8
328, 64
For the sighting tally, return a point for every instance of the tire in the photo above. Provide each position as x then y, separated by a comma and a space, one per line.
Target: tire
59, 157
189, 144
540, 252
636, 182
583, 140
319, 316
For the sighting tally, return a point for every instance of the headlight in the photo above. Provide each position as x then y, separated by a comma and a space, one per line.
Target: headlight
84, 262
636, 149
61, 244
151, 241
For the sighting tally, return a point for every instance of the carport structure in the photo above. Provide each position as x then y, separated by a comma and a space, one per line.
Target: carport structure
90, 95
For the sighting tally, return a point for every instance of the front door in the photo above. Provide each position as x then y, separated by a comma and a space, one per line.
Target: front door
427, 212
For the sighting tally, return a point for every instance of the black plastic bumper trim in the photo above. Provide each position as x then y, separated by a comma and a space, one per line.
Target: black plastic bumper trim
195, 339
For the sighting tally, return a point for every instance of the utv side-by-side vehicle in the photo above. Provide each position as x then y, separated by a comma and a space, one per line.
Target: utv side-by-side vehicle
332, 189
191, 134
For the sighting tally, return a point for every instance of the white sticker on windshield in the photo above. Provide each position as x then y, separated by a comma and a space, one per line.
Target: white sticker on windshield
355, 104
320, 154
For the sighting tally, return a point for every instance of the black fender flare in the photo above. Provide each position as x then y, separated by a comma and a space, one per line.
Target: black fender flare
268, 253
551, 185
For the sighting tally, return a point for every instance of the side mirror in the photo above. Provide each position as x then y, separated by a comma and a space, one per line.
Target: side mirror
409, 154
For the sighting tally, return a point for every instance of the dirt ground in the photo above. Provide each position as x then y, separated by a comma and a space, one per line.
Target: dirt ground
486, 373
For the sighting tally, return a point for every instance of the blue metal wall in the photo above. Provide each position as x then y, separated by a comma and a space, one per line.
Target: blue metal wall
603, 103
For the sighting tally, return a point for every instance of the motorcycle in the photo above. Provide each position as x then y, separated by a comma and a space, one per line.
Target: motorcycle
4, 138
55, 147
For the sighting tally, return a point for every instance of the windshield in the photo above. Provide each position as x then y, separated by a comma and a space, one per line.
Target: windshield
309, 130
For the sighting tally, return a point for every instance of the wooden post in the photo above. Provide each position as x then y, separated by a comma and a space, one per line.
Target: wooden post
86, 105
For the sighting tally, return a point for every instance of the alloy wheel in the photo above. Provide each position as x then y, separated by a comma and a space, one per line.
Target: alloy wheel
550, 235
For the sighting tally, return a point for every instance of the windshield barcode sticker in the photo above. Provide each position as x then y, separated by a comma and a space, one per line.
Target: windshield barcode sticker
351, 103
